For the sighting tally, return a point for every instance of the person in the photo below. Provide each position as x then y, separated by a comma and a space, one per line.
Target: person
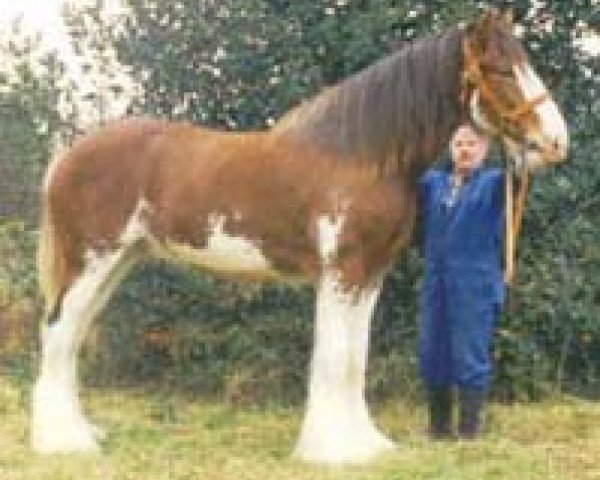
461, 213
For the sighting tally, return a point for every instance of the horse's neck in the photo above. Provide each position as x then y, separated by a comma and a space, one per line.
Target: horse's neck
398, 113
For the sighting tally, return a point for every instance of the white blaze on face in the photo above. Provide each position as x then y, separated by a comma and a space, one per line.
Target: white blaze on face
553, 125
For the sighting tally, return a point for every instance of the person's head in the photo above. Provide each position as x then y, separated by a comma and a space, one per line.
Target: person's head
468, 149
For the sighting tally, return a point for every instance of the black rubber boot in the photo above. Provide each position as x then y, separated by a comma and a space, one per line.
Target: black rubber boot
471, 403
440, 414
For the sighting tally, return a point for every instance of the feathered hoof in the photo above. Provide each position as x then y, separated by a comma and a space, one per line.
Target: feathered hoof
58, 425
343, 450
72, 438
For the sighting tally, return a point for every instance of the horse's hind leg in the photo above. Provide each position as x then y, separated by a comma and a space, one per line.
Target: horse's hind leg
58, 422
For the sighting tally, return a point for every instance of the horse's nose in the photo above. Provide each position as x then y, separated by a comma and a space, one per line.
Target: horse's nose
558, 149
554, 131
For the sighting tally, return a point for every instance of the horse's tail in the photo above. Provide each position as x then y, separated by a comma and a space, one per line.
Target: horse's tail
52, 254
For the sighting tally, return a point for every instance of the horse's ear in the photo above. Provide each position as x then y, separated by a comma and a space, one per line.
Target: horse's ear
508, 15
491, 14
479, 29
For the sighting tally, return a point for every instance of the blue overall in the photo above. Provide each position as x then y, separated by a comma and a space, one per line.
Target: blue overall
462, 289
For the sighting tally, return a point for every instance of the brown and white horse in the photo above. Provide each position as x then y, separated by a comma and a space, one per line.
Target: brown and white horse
327, 195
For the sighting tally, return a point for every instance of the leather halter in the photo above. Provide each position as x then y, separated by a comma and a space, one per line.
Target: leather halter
474, 80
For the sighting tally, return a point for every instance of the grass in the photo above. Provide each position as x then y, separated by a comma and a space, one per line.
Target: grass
156, 435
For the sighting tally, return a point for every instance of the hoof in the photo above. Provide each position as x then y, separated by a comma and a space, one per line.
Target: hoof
78, 437
58, 424
344, 451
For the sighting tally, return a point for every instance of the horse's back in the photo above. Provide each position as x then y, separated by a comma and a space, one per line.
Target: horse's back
94, 186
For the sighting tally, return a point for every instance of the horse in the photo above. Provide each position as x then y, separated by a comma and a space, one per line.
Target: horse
327, 196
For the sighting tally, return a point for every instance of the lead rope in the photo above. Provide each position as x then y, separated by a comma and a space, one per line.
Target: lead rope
513, 218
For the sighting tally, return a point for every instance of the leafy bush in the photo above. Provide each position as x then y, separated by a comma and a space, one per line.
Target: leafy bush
19, 301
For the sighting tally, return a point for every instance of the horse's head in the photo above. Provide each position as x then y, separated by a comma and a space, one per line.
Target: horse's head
506, 98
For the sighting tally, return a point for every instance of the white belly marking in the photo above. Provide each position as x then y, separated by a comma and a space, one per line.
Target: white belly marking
223, 252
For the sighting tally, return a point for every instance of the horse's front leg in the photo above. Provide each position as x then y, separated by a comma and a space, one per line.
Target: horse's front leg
337, 427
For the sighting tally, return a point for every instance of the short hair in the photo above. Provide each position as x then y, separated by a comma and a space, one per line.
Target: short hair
472, 128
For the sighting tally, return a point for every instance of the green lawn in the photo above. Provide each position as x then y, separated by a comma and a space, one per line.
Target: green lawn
156, 435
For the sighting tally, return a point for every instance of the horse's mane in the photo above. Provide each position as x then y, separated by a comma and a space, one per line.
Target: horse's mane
396, 114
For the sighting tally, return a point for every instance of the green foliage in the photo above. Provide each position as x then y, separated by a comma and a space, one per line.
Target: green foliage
242, 63
31, 121
248, 342
19, 305
550, 334
17, 270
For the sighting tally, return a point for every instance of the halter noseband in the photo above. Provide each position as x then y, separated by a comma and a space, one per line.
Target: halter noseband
473, 79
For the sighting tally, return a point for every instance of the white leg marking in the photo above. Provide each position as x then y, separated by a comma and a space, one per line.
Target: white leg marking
337, 427
58, 421
553, 123
329, 232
